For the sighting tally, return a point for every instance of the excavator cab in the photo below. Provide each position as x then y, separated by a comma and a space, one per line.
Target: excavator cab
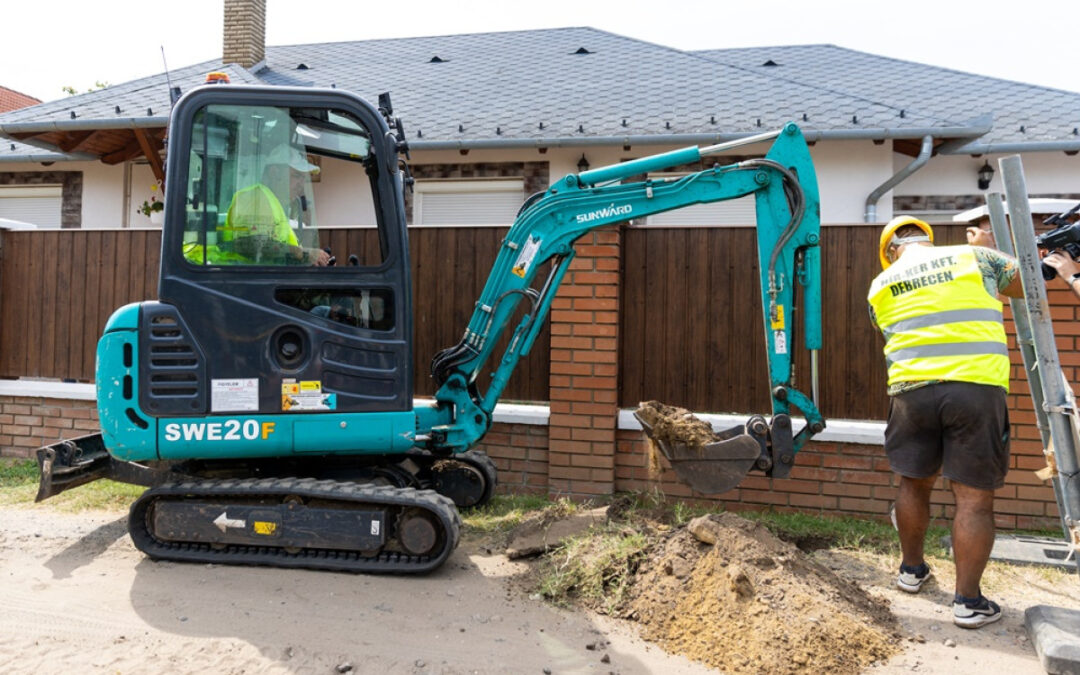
254, 316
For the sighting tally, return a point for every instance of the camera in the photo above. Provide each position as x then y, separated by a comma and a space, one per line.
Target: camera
1064, 237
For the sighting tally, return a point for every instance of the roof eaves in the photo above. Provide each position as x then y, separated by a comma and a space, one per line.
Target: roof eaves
82, 124
47, 157
961, 147
975, 129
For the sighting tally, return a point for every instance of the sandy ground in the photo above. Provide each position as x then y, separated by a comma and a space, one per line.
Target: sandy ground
78, 597
932, 643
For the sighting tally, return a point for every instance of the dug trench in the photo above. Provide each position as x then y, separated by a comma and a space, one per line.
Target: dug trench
719, 589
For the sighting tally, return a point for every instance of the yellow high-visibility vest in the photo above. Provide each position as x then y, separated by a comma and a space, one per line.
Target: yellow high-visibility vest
938, 320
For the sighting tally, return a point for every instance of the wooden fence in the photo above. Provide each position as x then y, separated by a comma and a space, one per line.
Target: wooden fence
691, 322
58, 288
690, 318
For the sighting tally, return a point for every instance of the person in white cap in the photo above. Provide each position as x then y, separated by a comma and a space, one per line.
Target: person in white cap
257, 226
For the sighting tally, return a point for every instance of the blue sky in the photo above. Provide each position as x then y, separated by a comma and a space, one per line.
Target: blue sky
80, 43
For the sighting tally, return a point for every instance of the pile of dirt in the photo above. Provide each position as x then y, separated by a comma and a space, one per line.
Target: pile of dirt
728, 593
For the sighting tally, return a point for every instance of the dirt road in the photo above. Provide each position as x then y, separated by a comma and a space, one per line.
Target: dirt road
78, 597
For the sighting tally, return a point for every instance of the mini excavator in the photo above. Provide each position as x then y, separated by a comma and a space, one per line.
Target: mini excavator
266, 402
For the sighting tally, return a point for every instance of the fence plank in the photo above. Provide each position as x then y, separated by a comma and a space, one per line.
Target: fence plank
36, 295
66, 296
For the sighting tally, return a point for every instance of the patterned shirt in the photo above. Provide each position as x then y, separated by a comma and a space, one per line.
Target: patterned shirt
998, 271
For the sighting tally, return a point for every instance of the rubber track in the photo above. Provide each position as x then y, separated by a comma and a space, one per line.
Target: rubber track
308, 488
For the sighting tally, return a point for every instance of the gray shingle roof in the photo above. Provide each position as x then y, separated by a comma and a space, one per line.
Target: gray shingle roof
1024, 115
503, 86
528, 88
143, 102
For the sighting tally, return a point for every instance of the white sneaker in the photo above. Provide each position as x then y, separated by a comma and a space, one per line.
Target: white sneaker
911, 579
975, 613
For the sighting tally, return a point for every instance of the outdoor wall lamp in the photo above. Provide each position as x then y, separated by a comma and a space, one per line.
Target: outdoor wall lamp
986, 174
582, 164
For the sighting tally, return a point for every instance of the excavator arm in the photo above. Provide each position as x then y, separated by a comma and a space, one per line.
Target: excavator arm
784, 186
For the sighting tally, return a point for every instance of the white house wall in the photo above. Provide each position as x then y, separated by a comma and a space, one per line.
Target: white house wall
1044, 173
848, 171
103, 194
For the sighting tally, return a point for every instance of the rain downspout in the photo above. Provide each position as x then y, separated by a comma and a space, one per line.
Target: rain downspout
923, 157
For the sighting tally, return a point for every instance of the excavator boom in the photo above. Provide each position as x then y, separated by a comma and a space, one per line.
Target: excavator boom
784, 187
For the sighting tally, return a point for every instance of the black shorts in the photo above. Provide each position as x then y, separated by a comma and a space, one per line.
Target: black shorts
958, 428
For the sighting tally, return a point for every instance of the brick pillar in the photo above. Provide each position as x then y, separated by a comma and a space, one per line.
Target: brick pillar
245, 32
584, 370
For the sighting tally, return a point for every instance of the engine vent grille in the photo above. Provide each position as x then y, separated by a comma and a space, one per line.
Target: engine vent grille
172, 365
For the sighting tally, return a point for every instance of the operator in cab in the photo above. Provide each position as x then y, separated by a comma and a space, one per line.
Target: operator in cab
257, 226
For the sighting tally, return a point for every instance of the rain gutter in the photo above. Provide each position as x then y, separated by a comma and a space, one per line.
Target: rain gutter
976, 129
87, 124
49, 157
920, 160
959, 147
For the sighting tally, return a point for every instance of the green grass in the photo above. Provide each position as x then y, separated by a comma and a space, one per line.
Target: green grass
595, 568
19, 484
502, 513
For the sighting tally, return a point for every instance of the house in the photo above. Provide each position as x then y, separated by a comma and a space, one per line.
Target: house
19, 200
665, 308
531, 106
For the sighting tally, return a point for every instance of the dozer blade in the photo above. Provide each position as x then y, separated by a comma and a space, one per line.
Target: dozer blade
77, 461
715, 467
70, 463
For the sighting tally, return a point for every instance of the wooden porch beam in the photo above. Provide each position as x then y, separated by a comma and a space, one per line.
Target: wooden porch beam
129, 151
150, 146
72, 140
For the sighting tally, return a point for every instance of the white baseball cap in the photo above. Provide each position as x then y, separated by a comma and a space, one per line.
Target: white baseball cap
287, 154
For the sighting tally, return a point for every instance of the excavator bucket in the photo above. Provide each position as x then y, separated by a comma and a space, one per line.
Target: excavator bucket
715, 467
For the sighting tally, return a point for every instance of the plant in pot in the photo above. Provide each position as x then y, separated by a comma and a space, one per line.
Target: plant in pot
154, 209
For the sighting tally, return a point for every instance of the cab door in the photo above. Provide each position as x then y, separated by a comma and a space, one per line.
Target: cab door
284, 270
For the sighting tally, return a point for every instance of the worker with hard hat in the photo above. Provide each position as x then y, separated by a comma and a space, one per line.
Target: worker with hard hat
948, 377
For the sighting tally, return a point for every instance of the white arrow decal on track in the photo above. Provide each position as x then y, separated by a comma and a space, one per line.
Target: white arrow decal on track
224, 521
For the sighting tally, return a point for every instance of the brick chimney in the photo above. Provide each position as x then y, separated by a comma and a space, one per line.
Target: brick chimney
245, 32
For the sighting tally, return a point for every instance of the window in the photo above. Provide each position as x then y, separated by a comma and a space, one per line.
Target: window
467, 202
36, 204
250, 197
728, 212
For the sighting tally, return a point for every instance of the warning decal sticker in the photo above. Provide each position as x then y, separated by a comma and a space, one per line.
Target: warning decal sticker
525, 258
305, 395
234, 395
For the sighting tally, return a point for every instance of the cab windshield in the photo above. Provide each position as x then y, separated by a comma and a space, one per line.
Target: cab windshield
263, 180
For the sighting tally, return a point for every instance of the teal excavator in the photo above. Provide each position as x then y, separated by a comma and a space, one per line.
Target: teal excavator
265, 399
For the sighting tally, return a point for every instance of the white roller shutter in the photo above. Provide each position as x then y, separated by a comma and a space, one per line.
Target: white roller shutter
37, 204
731, 212
482, 202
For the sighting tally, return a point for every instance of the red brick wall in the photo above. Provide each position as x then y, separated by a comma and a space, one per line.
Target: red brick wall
584, 370
850, 479
520, 452
27, 423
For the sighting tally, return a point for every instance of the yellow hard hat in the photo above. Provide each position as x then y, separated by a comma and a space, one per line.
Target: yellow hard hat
888, 234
